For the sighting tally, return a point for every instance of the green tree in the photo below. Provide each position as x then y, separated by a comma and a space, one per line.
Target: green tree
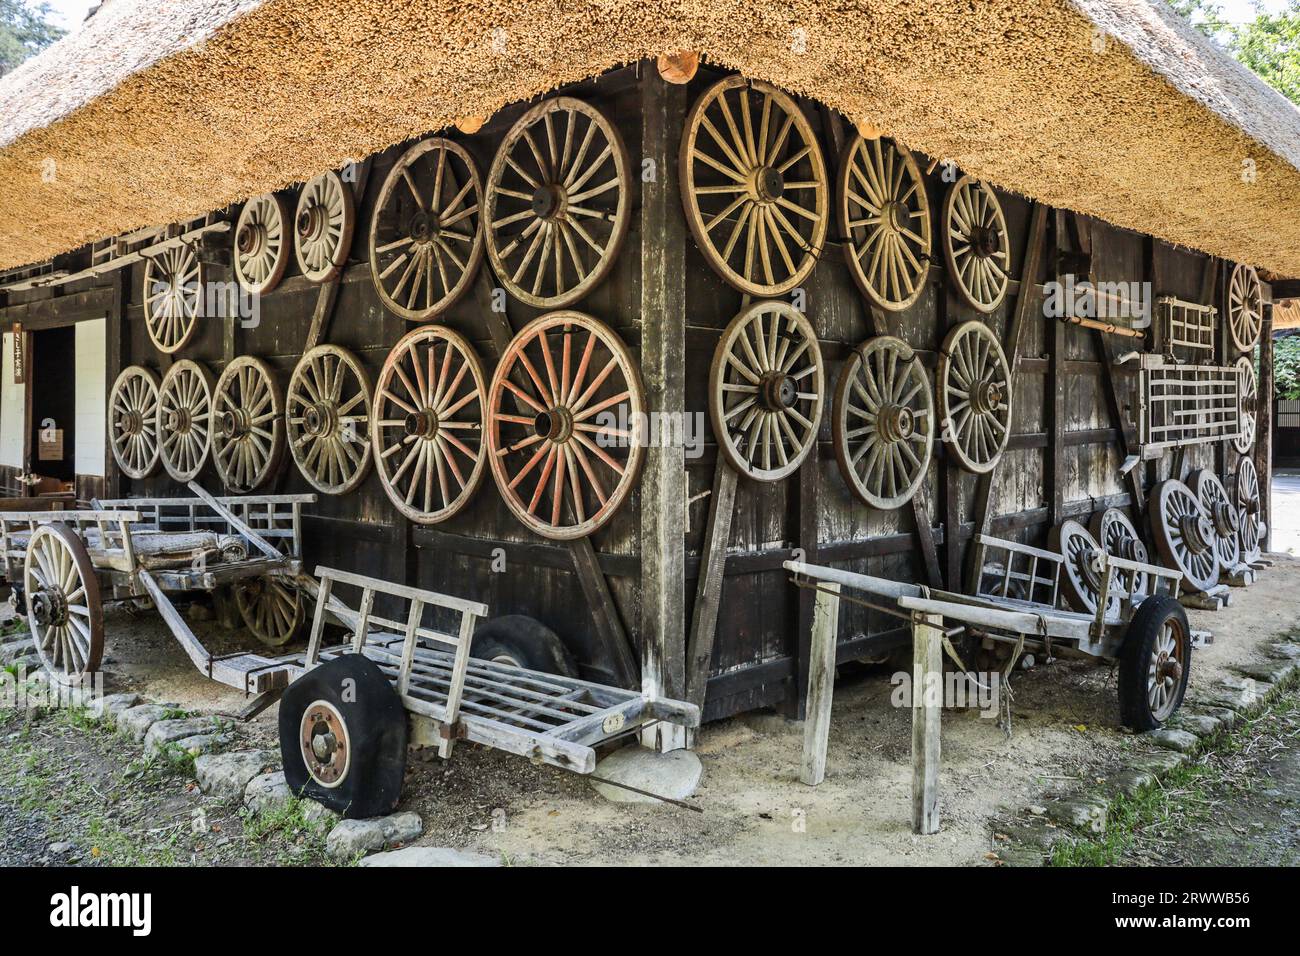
1204, 15
24, 30
1270, 46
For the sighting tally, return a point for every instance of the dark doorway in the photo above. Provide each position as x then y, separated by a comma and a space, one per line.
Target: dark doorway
52, 367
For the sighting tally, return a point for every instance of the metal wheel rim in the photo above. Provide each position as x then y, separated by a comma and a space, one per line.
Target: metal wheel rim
1248, 387
185, 419
1247, 499
327, 419
542, 402
1173, 508
1245, 307
247, 397
323, 732
976, 243
974, 386
133, 421
426, 235
323, 222
64, 611
1082, 578
550, 197
744, 164
883, 427
1119, 537
271, 610
1163, 681
261, 243
173, 297
1218, 505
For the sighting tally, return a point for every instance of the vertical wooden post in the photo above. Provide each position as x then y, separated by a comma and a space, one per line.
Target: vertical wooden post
821, 683
927, 704
708, 586
1264, 428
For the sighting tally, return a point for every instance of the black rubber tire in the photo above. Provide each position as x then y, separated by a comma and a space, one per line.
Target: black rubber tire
1135, 658
526, 642
376, 727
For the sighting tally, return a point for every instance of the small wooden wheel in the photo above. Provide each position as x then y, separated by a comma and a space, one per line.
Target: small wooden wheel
271, 609
1184, 534
248, 433
885, 215
133, 421
426, 240
766, 388
63, 606
322, 225
327, 419
426, 426
1248, 387
1245, 307
750, 159
173, 297
1120, 538
185, 419
974, 396
1246, 497
566, 424
1083, 572
884, 422
1223, 516
557, 203
976, 243
261, 243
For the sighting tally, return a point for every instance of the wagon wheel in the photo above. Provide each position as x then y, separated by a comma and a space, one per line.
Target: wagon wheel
185, 419
1248, 388
133, 421
1245, 307
976, 243
557, 203
1120, 538
885, 215
1223, 516
1248, 508
249, 414
63, 607
323, 223
566, 424
261, 243
426, 237
974, 396
1184, 534
327, 419
760, 170
271, 609
884, 422
173, 297
1083, 574
426, 425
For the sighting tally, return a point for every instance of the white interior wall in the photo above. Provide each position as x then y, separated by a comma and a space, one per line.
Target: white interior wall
12, 413
91, 397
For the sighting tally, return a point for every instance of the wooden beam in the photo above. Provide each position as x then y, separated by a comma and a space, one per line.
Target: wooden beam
708, 585
821, 683
927, 706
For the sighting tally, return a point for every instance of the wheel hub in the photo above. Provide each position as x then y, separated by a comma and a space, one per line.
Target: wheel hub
179, 420
50, 608
894, 216
311, 223
1197, 532
250, 238
779, 392
1225, 524
896, 423
1089, 563
235, 423
422, 424
984, 241
326, 748
1168, 668
549, 201
320, 419
769, 184
132, 422
423, 227
555, 425
986, 397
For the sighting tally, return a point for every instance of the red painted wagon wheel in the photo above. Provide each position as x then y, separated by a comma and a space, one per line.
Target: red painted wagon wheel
173, 297
1223, 515
1246, 497
327, 417
426, 236
262, 243
185, 419
566, 424
248, 437
133, 421
1184, 534
976, 243
1083, 578
1248, 388
974, 385
426, 424
1245, 307
323, 224
1118, 535
64, 611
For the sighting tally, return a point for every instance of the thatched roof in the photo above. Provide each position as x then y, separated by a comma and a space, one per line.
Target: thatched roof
156, 112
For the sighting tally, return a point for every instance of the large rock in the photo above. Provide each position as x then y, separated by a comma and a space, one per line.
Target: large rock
1203, 725
134, 722
267, 792
429, 856
204, 743
675, 774
169, 731
1163, 762
351, 837
1080, 812
227, 775
1130, 782
1171, 739
108, 708
1268, 672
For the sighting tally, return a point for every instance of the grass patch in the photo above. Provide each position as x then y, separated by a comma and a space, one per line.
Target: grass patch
290, 831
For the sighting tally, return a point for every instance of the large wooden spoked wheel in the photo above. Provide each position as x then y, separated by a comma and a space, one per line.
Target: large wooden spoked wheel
566, 424
1245, 307
1119, 537
63, 605
974, 384
173, 297
558, 199
884, 422
248, 433
766, 388
1223, 515
1082, 566
133, 421
1248, 388
754, 186
1246, 497
426, 424
885, 216
185, 419
1184, 534
327, 419
262, 243
426, 236
271, 608
976, 243
322, 225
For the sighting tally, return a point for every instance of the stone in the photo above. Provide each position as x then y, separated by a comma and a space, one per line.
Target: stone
1202, 725
134, 722
429, 856
1171, 739
1271, 672
315, 812
205, 743
267, 792
227, 775
1083, 813
168, 731
1227, 718
1035, 831
1019, 856
1129, 782
675, 774
1286, 652
108, 708
1162, 762
60, 848
351, 837
15, 650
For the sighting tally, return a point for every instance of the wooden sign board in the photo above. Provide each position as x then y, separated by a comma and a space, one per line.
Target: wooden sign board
51, 445
20, 355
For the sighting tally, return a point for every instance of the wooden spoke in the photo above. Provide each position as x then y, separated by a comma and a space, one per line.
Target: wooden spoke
327, 419
323, 224
1250, 528
1082, 579
248, 416
64, 611
1118, 536
426, 424
1184, 534
133, 421
173, 297
1223, 516
1245, 307
272, 609
558, 196
976, 243
185, 419
1248, 388
883, 426
566, 424
754, 186
766, 388
262, 243
885, 216
974, 384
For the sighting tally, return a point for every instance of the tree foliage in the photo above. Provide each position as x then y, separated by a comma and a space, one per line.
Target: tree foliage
1269, 44
24, 30
1286, 367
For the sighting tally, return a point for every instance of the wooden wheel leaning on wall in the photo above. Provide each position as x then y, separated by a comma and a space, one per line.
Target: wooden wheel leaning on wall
248, 433
1119, 536
1218, 505
1247, 499
327, 419
1082, 566
1244, 307
1248, 389
133, 421
262, 243
974, 385
173, 297
323, 224
976, 243
1184, 534
185, 419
